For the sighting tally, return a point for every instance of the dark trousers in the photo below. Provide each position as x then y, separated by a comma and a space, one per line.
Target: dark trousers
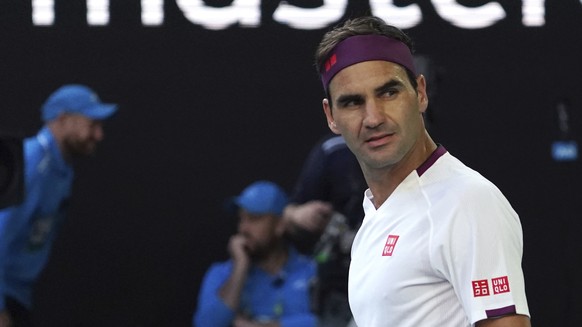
20, 314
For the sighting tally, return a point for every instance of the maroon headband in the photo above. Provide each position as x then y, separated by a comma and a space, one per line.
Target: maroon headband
359, 48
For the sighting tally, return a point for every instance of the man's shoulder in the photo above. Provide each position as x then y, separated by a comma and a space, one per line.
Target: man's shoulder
226, 264
332, 143
460, 186
33, 150
301, 261
449, 169
219, 268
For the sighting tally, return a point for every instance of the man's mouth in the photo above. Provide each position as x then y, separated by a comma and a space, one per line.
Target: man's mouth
378, 140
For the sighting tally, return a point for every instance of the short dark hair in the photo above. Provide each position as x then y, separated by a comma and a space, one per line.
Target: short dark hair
361, 26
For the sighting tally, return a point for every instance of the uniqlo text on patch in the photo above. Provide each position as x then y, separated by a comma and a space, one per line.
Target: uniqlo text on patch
500, 285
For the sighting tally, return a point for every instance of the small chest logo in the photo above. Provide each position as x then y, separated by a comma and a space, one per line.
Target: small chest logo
390, 245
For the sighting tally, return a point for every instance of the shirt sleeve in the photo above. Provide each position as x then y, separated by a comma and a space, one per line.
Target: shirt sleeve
13, 223
211, 310
13, 220
482, 254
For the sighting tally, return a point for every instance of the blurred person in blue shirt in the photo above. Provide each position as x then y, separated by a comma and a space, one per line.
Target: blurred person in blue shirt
72, 117
266, 282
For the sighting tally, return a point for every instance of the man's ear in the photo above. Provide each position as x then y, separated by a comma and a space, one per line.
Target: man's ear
328, 115
422, 94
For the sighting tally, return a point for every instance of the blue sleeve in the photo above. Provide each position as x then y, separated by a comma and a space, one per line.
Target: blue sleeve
13, 223
13, 220
211, 310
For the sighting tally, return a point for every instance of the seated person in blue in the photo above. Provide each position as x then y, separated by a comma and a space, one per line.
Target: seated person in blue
266, 281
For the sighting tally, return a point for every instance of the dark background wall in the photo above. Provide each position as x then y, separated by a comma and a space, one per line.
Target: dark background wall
205, 112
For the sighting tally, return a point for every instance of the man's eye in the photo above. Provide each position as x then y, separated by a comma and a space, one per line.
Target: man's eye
391, 92
351, 103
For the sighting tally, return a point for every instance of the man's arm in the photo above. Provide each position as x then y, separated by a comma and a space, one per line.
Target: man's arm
480, 212
308, 209
231, 290
505, 321
219, 295
312, 216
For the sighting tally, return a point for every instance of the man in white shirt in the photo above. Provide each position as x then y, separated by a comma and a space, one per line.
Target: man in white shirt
439, 245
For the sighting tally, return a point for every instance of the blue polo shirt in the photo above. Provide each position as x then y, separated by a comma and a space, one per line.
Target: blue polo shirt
284, 298
27, 230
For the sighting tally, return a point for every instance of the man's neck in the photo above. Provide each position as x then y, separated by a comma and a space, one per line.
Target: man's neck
275, 259
383, 182
57, 133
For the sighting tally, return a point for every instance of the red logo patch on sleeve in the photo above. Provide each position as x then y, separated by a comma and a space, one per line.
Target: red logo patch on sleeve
500, 285
390, 245
480, 288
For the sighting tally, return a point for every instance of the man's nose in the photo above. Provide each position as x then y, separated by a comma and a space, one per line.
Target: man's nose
374, 114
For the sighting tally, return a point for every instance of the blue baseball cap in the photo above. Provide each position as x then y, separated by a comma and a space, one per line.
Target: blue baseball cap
261, 197
76, 98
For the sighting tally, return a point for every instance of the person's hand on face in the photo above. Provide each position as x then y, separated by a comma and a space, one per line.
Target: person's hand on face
237, 247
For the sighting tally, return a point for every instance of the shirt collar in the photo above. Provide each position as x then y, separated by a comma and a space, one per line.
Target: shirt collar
47, 140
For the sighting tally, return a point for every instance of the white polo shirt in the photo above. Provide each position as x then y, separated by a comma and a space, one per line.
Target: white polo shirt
444, 249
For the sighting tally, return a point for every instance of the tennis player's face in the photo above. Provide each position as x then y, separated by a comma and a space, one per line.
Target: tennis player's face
82, 135
377, 111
